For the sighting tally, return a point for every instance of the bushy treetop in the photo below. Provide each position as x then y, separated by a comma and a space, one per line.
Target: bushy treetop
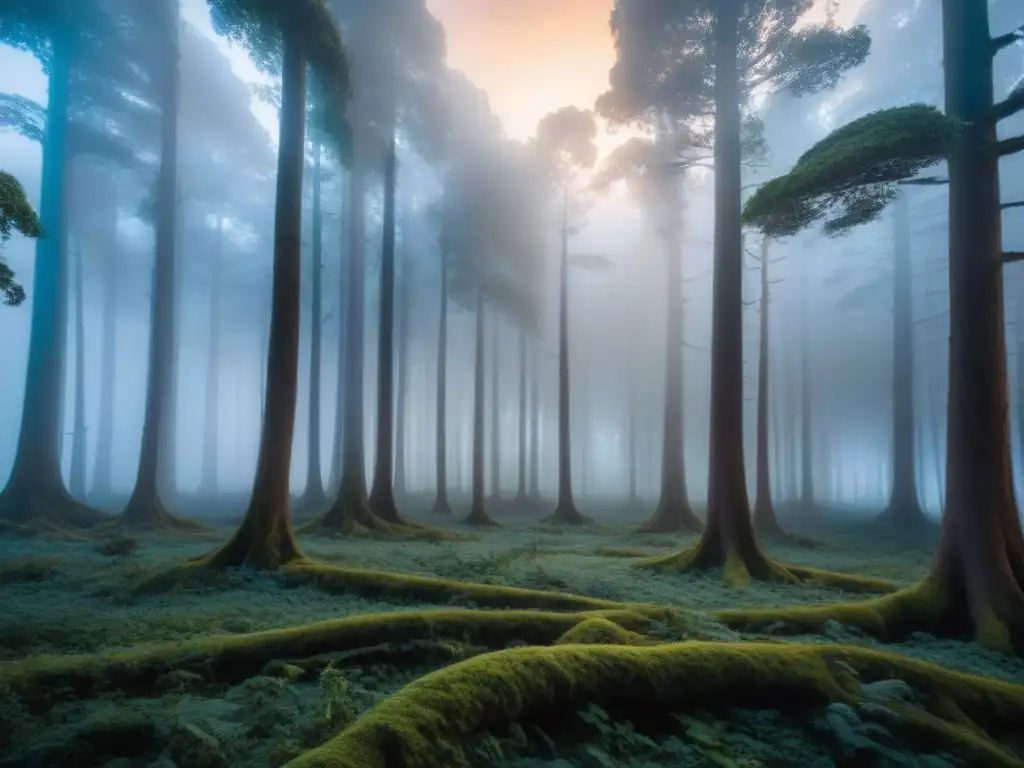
850, 176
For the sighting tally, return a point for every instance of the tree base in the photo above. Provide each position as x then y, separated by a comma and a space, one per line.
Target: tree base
672, 518
346, 517
313, 501
441, 506
152, 515
567, 514
478, 517
740, 566
382, 503
43, 508
264, 541
937, 605
768, 528
906, 516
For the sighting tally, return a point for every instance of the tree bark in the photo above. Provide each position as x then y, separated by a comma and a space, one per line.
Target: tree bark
102, 486
441, 505
265, 538
351, 506
334, 479
535, 426
78, 457
631, 444
209, 481
495, 432
382, 493
521, 490
765, 521
566, 511
478, 509
314, 497
145, 508
35, 495
807, 504
904, 506
674, 512
728, 536
401, 397
979, 567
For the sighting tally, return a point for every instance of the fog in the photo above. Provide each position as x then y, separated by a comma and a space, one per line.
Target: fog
831, 299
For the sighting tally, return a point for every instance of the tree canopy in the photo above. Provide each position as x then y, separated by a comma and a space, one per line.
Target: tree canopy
665, 65
16, 215
850, 176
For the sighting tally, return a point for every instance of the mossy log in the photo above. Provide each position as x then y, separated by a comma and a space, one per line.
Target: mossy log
228, 659
429, 723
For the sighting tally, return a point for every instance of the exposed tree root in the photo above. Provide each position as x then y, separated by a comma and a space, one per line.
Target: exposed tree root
265, 541
478, 517
932, 606
346, 516
672, 518
46, 508
227, 659
152, 515
428, 724
741, 564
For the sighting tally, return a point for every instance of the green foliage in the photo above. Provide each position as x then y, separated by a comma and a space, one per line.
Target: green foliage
850, 176
16, 215
263, 26
565, 142
664, 52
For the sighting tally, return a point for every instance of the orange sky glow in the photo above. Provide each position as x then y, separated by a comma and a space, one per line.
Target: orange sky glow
534, 56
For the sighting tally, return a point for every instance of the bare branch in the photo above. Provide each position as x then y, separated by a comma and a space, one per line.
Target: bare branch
924, 181
1014, 204
1005, 41
1009, 257
1010, 146
1011, 105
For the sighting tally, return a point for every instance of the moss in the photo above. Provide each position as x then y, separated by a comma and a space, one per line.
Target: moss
623, 552
601, 631
427, 723
231, 658
738, 572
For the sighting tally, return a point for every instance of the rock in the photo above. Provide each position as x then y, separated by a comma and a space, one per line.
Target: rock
887, 691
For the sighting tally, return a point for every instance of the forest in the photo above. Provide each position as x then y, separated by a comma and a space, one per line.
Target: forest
403, 384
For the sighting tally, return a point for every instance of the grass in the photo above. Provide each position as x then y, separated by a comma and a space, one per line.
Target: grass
82, 597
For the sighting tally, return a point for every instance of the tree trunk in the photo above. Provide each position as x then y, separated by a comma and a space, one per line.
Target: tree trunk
728, 536
382, 493
535, 425
401, 397
978, 572
495, 432
566, 511
807, 503
351, 507
265, 538
78, 458
765, 521
35, 494
1019, 334
904, 507
674, 512
441, 505
167, 452
103, 467
334, 479
145, 508
521, 490
314, 498
211, 464
631, 442
478, 510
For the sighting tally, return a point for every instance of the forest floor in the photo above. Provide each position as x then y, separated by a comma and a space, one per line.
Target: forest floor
82, 597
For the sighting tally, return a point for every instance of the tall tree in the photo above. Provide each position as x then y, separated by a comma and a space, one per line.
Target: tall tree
565, 142
731, 48
977, 577
649, 168
284, 35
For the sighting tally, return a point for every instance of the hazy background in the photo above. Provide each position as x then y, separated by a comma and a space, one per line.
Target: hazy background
531, 57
